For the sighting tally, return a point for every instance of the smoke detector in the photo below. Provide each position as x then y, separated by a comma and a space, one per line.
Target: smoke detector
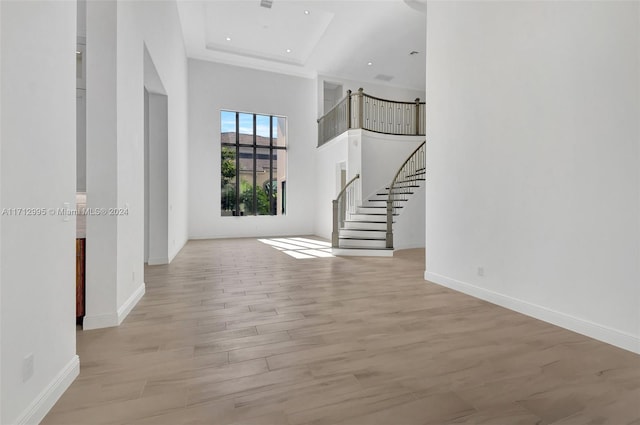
383, 77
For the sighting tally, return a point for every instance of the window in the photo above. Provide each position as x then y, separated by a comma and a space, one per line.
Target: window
253, 164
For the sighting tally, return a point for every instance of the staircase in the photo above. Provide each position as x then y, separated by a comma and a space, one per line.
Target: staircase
366, 228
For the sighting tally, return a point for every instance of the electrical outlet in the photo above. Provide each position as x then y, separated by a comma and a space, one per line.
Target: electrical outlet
480, 271
27, 367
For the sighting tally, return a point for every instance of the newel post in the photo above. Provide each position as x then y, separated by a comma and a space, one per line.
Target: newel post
360, 107
417, 116
389, 238
335, 236
348, 109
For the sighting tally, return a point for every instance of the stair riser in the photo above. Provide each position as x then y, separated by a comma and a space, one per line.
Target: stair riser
412, 181
355, 252
396, 192
368, 217
378, 203
362, 243
364, 226
375, 203
371, 210
367, 234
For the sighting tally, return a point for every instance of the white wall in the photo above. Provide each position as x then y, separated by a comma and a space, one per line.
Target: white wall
157, 236
382, 156
81, 105
81, 144
533, 159
409, 227
37, 261
101, 142
137, 24
1, 97
332, 93
213, 87
384, 91
329, 158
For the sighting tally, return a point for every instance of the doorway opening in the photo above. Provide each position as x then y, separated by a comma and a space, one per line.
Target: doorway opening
156, 160
333, 93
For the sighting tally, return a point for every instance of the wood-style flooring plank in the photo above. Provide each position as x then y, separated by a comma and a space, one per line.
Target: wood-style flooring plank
235, 332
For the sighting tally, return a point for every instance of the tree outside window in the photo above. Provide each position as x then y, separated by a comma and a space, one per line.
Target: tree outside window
252, 164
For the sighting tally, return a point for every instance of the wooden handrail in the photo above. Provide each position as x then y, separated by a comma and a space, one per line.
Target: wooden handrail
395, 178
370, 115
391, 197
356, 177
395, 101
339, 213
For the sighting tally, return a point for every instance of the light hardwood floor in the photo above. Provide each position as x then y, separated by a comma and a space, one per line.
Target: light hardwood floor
237, 332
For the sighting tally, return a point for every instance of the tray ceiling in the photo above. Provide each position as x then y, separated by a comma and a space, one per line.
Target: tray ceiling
352, 39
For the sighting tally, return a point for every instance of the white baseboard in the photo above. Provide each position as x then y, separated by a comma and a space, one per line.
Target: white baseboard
409, 246
99, 321
41, 405
109, 320
128, 305
157, 261
177, 251
355, 252
602, 333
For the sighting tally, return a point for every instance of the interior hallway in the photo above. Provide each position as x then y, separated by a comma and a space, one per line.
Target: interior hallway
237, 332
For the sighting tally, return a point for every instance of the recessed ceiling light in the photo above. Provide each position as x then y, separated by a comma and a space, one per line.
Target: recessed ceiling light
306, 12
228, 38
369, 63
288, 50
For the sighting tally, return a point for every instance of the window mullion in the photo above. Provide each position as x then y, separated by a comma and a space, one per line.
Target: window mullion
255, 197
237, 206
271, 197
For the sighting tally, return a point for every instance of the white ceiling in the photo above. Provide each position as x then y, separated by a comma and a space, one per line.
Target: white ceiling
336, 38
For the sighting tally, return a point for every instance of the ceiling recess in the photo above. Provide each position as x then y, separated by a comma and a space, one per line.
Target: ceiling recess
316, 40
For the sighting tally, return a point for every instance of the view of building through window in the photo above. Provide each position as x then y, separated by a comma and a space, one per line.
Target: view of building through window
253, 164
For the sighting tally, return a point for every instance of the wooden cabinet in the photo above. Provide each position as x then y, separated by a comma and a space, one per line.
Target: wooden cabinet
80, 267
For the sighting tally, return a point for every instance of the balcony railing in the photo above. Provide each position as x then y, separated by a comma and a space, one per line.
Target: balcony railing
360, 110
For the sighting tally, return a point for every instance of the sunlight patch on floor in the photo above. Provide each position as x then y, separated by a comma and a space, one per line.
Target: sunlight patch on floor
300, 248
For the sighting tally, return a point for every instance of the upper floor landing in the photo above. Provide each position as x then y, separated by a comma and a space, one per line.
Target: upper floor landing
362, 111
